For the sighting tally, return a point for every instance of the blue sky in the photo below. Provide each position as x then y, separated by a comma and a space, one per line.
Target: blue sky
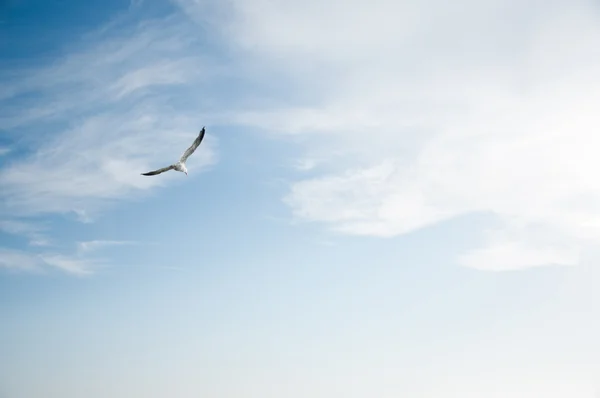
392, 199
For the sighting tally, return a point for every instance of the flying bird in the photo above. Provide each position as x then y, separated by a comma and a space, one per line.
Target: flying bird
180, 165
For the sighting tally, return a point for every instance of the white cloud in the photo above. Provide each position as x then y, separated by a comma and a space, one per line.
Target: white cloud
423, 111
4, 151
372, 201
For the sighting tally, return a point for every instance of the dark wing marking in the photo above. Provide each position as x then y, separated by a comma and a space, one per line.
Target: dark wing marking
155, 172
193, 147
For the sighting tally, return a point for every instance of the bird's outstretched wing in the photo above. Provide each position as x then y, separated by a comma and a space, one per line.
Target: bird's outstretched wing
155, 172
193, 147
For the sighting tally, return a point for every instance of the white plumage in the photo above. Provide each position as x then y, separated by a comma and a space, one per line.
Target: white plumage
180, 165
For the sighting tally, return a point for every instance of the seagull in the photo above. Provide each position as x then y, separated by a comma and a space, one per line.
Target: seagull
180, 165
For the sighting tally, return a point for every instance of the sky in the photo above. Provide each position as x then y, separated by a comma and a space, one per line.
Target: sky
392, 199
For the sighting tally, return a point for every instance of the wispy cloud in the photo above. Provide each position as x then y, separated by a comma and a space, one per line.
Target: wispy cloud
99, 244
422, 113
114, 104
72, 265
32, 231
18, 260
27, 261
44, 255
160, 74
135, 3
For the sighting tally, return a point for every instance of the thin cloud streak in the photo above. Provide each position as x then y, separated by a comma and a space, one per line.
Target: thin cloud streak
71, 265
100, 244
40, 263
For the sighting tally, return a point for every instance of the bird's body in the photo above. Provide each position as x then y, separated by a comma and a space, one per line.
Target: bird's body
180, 165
